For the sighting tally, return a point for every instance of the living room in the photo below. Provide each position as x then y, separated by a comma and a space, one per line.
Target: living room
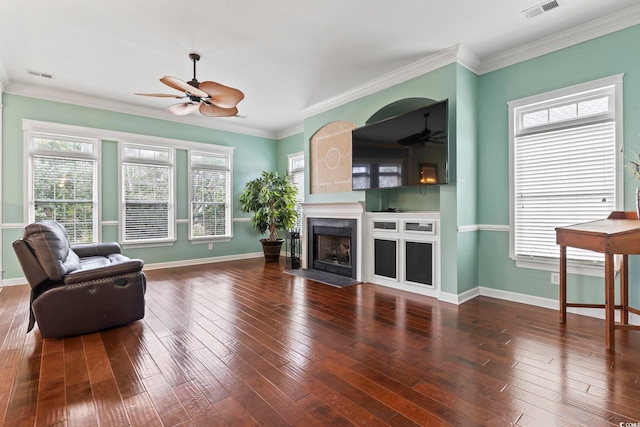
475, 207
478, 193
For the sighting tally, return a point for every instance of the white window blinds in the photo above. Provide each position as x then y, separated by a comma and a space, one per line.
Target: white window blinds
210, 195
63, 183
147, 191
562, 177
564, 161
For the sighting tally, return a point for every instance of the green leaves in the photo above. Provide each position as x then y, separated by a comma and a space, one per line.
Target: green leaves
272, 200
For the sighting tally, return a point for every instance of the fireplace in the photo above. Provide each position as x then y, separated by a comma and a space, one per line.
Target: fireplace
342, 215
333, 245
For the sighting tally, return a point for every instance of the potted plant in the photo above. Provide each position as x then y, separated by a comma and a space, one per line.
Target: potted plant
272, 200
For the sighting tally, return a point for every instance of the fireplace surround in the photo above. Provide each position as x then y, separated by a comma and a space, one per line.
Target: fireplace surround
333, 245
331, 221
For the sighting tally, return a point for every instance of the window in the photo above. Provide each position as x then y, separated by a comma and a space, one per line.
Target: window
389, 175
376, 175
563, 167
63, 183
147, 211
210, 190
361, 177
296, 172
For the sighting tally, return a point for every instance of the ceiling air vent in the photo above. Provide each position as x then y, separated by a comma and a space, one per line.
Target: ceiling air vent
39, 74
540, 9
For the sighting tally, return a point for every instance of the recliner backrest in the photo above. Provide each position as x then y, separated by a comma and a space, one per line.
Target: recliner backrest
49, 242
30, 266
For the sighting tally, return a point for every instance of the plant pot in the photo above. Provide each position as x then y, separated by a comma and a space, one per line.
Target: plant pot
271, 249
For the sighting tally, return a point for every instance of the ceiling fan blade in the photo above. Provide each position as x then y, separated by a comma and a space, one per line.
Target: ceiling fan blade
161, 95
221, 95
215, 111
183, 108
183, 86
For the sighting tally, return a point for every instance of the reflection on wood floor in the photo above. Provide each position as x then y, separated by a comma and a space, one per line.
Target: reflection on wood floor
240, 343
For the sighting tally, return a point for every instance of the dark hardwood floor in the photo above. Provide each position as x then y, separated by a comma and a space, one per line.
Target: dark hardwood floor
241, 344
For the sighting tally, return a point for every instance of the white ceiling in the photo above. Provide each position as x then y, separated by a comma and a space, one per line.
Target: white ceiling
287, 56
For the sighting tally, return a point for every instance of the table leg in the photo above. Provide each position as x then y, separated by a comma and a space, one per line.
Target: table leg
624, 290
609, 300
563, 284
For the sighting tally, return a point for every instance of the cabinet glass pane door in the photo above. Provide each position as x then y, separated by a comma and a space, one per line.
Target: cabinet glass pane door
385, 263
419, 262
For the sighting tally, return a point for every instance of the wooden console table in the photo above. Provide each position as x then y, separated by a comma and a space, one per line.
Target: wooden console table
618, 234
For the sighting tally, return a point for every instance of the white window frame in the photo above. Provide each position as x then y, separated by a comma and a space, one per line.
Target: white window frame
292, 168
170, 163
612, 86
33, 129
366, 175
228, 168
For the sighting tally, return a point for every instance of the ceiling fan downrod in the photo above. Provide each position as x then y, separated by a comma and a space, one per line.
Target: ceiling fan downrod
195, 58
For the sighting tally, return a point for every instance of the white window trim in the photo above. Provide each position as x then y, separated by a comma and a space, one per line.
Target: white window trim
114, 136
291, 158
229, 211
32, 127
573, 267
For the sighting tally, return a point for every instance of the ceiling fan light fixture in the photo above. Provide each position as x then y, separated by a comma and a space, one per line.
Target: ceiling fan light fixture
212, 99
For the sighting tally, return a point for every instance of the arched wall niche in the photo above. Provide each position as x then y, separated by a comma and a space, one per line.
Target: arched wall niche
399, 107
330, 149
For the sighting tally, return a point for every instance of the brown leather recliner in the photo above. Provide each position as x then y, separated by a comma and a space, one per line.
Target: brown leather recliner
77, 289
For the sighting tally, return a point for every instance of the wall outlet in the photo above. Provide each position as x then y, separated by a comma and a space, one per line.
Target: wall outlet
210, 246
555, 278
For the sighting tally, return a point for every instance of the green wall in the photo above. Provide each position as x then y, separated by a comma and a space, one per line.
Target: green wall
476, 196
442, 83
251, 155
612, 54
286, 146
466, 171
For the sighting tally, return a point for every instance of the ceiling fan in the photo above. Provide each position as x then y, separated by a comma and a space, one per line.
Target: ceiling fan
211, 98
424, 137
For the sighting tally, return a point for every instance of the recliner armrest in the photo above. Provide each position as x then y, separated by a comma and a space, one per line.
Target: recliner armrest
96, 249
79, 276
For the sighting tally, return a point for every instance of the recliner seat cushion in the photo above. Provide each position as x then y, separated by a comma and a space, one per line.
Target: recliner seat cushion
49, 242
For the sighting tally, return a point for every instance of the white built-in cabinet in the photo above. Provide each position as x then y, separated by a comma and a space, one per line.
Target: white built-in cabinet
402, 250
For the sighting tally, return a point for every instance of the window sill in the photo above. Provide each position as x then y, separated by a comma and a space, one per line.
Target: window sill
138, 245
205, 240
573, 267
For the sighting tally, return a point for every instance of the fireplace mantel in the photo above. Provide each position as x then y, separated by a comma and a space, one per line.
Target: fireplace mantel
333, 209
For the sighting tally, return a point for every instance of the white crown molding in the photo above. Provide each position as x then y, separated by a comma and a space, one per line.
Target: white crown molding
74, 98
415, 69
581, 33
469, 60
290, 131
593, 29
4, 77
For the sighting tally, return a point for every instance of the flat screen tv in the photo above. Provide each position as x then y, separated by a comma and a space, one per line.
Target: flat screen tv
406, 150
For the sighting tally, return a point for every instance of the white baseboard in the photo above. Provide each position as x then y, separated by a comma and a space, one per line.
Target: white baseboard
458, 299
14, 282
549, 303
160, 265
199, 261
